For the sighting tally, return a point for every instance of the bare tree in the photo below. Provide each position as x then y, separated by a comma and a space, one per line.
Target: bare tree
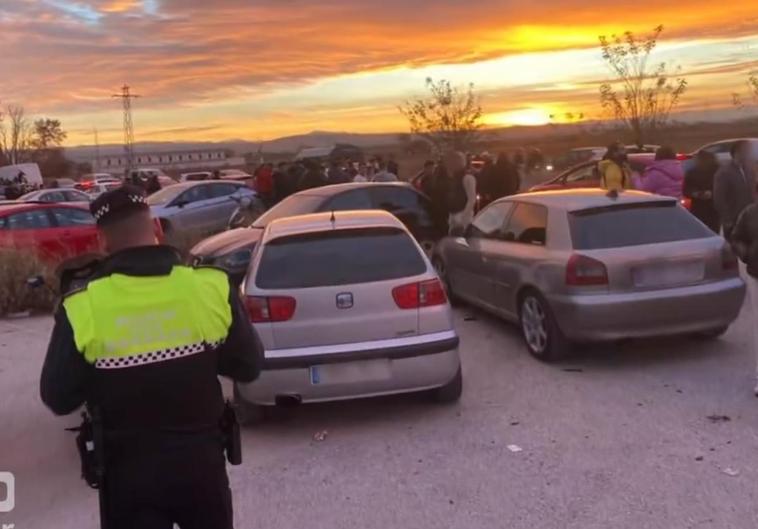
15, 134
642, 95
48, 134
449, 117
752, 81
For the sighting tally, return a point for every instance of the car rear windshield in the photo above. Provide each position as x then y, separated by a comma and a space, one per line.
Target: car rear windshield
290, 207
341, 257
634, 225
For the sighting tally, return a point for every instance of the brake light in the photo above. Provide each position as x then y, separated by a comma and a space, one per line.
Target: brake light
585, 271
418, 295
682, 157
270, 309
728, 259
686, 203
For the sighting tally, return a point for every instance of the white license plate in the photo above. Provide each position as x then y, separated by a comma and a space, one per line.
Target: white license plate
669, 274
350, 372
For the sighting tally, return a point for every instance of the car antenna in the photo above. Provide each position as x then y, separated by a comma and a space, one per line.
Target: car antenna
332, 219
613, 194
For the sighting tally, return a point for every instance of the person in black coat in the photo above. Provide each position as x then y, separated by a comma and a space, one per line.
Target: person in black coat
698, 187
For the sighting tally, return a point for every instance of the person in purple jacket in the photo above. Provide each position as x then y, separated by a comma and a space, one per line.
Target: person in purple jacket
665, 175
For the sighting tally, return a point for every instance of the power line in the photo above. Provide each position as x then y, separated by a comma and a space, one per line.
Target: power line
126, 99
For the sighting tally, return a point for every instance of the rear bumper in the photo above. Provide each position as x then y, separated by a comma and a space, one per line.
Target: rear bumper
415, 364
649, 314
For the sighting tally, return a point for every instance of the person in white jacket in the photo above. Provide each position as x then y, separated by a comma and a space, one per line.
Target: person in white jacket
455, 163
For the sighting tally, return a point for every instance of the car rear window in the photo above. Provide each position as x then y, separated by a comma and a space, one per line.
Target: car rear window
634, 225
341, 257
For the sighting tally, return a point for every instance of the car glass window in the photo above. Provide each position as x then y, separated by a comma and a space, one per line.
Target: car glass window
341, 257
35, 219
633, 225
290, 207
408, 205
68, 217
194, 194
77, 196
490, 222
587, 173
222, 190
53, 196
356, 199
528, 224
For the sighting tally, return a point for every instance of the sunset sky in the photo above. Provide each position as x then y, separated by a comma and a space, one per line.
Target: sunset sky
260, 69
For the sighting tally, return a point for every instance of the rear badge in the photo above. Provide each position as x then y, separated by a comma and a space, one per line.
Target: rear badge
345, 300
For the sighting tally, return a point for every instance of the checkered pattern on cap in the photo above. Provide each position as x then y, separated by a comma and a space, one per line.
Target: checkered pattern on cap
118, 203
152, 357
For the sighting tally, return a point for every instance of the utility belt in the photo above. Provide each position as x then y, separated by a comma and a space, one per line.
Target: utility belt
92, 442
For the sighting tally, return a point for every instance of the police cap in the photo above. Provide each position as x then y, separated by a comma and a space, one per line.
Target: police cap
118, 204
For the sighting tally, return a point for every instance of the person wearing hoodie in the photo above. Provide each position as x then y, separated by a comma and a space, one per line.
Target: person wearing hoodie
744, 238
665, 175
615, 173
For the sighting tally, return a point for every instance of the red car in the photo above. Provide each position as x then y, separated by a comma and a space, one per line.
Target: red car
587, 174
52, 231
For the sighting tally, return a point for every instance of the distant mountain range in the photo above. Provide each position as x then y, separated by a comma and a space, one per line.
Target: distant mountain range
289, 144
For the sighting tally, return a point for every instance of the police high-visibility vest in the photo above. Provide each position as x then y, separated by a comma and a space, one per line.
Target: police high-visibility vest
122, 320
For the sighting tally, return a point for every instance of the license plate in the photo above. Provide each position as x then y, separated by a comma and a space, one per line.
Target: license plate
669, 274
350, 372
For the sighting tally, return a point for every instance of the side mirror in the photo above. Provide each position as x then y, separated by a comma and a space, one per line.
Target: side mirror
458, 231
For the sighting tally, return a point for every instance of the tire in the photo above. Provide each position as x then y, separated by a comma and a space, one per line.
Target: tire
450, 392
713, 334
248, 414
441, 269
542, 336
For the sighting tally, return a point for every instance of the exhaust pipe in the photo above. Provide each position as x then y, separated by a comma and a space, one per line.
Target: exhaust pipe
292, 400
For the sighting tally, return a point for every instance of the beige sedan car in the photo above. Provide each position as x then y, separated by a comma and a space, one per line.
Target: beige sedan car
347, 305
584, 265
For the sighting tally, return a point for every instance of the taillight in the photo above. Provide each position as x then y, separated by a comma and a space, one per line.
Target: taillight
270, 309
682, 157
728, 259
686, 203
585, 271
417, 295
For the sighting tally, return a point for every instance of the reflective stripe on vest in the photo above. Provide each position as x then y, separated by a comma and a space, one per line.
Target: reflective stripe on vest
121, 321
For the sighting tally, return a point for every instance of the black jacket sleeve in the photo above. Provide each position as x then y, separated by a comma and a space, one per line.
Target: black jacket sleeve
65, 373
240, 357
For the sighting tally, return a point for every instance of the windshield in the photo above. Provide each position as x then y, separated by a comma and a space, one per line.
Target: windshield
164, 196
290, 207
34, 195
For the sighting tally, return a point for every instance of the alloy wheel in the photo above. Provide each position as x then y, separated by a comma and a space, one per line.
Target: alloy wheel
534, 324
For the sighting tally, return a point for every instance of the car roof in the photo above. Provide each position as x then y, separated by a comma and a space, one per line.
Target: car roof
334, 189
579, 199
328, 221
186, 185
8, 207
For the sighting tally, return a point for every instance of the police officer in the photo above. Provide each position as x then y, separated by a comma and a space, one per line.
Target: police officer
143, 342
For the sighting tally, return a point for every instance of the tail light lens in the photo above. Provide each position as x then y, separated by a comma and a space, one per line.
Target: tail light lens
682, 157
728, 258
418, 295
270, 309
686, 203
585, 271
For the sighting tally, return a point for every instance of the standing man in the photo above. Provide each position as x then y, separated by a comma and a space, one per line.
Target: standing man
142, 344
745, 241
734, 186
461, 192
384, 175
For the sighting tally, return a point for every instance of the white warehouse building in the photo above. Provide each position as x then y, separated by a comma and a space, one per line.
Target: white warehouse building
178, 160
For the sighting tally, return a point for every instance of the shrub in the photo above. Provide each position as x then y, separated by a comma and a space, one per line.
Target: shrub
16, 267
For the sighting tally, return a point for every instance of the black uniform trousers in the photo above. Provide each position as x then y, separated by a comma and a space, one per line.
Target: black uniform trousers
151, 486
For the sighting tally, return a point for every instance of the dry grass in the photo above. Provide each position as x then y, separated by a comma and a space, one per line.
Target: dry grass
16, 295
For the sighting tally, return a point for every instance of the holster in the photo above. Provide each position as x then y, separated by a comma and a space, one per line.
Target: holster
230, 429
89, 443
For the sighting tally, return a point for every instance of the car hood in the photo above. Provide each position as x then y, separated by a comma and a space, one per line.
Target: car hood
227, 242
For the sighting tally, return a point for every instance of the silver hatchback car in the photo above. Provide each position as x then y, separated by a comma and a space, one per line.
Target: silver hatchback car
347, 306
584, 265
